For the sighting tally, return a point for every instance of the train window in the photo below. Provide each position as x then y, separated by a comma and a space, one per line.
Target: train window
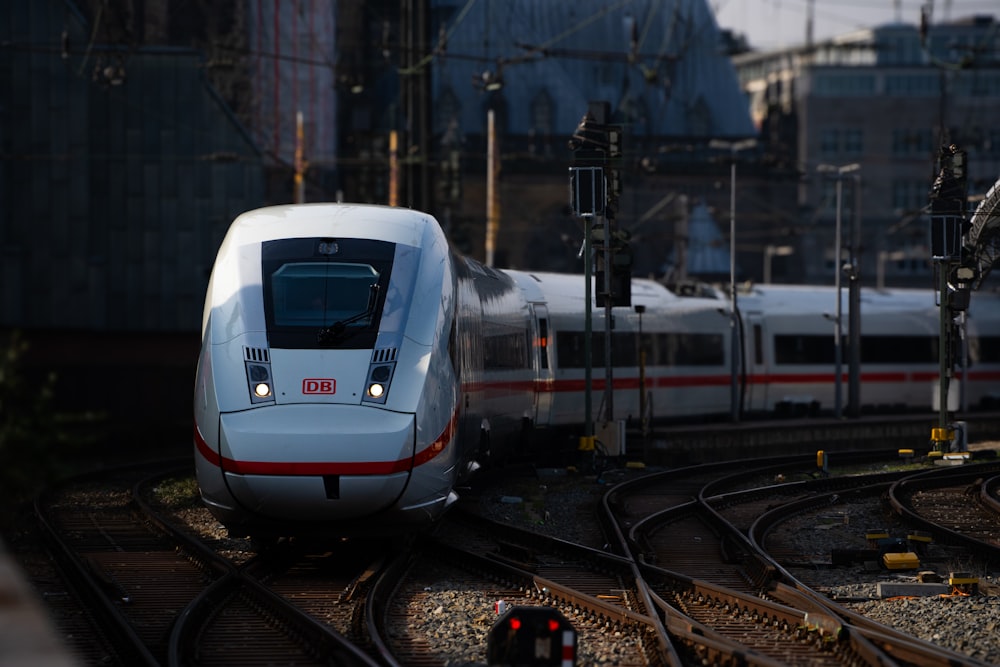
795, 349
801, 349
758, 345
690, 349
571, 352
543, 341
665, 349
987, 349
320, 294
899, 349
505, 350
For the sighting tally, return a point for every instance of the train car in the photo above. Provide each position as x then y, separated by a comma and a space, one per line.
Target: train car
354, 370
327, 389
789, 353
685, 342
787, 359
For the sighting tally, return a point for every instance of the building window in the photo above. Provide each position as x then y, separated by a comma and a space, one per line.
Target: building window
838, 142
909, 196
844, 84
908, 141
854, 141
829, 142
913, 85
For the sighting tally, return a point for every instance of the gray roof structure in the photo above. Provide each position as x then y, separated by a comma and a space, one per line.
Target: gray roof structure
707, 253
661, 64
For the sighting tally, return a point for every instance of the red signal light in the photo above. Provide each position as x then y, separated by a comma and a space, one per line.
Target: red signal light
530, 635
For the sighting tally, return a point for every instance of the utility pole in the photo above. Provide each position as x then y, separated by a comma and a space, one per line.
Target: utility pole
393, 168
838, 268
948, 225
300, 161
588, 196
492, 198
734, 147
854, 308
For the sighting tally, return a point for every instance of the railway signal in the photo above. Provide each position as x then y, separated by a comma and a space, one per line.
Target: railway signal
948, 226
588, 193
531, 636
616, 257
595, 187
948, 194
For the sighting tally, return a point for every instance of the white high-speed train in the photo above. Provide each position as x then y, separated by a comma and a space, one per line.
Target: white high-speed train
354, 370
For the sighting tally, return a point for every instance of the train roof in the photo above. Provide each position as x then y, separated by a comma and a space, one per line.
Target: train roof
564, 292
806, 298
371, 221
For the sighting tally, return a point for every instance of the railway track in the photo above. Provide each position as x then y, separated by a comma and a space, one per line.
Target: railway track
159, 596
708, 581
956, 505
640, 590
798, 573
591, 589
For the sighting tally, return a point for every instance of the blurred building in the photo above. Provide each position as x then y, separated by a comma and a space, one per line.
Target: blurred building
133, 132
121, 169
884, 100
431, 72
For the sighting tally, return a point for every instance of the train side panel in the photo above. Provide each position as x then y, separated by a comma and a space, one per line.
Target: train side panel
685, 342
790, 354
496, 338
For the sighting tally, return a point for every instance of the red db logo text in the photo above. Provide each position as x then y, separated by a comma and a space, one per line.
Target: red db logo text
319, 386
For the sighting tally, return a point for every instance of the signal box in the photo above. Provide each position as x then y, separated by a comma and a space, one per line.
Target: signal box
531, 636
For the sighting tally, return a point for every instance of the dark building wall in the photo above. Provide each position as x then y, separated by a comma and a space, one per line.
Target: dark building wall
120, 170
119, 182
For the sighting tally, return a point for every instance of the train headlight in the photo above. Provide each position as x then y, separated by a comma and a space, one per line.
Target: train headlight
377, 384
259, 382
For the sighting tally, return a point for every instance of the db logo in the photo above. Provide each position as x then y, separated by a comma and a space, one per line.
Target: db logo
319, 386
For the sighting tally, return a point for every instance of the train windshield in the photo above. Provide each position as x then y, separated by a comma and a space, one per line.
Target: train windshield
324, 292
331, 297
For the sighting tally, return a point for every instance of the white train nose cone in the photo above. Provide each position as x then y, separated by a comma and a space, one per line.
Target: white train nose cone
317, 463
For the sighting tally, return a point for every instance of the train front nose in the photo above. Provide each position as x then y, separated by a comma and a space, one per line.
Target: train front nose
316, 462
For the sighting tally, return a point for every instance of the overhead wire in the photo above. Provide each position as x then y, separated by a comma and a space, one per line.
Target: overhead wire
93, 37
427, 59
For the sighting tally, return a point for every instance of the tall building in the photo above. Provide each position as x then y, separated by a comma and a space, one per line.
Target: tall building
867, 113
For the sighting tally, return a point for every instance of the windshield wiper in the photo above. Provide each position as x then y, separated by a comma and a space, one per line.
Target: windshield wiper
336, 331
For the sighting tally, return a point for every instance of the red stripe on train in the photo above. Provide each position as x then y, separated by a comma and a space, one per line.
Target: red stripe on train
312, 468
